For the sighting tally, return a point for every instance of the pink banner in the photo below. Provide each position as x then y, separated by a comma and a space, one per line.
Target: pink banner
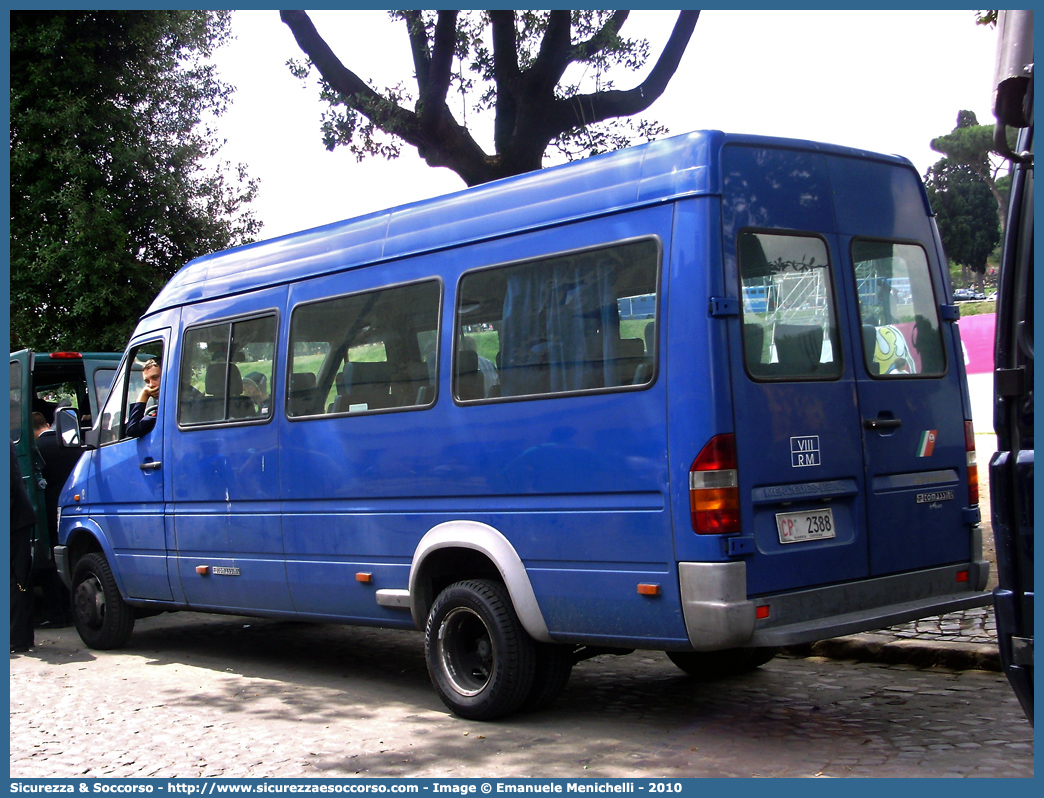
977, 339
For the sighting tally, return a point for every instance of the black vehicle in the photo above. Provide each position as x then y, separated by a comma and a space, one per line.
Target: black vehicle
1011, 469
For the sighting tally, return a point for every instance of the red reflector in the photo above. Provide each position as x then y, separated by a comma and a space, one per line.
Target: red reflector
362, 576
962, 576
761, 612
66, 355
648, 589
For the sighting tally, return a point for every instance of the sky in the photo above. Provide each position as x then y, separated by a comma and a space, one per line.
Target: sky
886, 81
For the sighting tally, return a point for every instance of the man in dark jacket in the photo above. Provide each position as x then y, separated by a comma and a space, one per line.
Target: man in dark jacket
22, 520
58, 463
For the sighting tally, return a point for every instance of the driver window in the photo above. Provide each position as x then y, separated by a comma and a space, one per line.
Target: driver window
128, 388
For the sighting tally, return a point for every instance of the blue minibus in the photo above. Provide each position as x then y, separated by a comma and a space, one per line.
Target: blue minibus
436, 417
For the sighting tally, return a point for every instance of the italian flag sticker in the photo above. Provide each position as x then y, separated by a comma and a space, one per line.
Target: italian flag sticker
927, 443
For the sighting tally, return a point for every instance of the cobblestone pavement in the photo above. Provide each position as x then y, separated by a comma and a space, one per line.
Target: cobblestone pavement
201, 695
977, 626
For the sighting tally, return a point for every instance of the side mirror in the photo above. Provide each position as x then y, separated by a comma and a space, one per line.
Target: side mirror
69, 429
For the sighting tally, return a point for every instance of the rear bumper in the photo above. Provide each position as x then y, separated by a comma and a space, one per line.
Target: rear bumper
719, 615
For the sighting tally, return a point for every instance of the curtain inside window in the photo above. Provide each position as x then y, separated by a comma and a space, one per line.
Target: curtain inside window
561, 327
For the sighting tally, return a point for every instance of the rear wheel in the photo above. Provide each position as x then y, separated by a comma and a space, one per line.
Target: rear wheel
479, 656
716, 664
102, 617
554, 663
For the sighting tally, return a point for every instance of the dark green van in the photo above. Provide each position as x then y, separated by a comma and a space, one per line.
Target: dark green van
42, 382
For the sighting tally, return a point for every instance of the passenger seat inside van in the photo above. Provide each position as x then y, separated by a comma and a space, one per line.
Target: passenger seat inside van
799, 348
470, 384
302, 391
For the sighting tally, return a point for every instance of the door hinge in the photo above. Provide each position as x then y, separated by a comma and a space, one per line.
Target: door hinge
1009, 382
721, 306
949, 312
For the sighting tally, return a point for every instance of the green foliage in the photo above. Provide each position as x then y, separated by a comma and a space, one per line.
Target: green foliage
965, 212
111, 191
977, 308
971, 145
547, 78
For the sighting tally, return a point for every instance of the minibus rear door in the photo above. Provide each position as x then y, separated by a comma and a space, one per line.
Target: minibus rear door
910, 400
798, 434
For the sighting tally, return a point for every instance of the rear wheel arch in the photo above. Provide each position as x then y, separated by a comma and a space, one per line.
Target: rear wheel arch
457, 550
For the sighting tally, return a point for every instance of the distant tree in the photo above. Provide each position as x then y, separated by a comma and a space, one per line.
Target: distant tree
987, 18
971, 144
966, 214
114, 185
515, 64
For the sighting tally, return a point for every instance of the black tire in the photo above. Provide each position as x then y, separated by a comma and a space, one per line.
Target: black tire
554, 663
718, 664
480, 658
101, 616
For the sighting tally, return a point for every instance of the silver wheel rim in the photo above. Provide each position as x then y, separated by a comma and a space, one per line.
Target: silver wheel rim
465, 651
90, 602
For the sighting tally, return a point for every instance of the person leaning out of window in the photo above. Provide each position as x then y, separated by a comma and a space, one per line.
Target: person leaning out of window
141, 417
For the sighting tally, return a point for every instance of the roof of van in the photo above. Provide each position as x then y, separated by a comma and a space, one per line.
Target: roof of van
685, 165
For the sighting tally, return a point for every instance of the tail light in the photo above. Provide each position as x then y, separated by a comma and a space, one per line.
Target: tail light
714, 488
973, 467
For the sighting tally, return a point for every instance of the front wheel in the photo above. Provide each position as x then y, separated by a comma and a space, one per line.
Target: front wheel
480, 658
717, 664
102, 617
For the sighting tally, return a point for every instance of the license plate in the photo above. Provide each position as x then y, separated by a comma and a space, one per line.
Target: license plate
805, 525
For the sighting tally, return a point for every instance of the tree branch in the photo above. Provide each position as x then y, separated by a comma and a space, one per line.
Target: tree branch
588, 109
601, 38
441, 60
419, 47
395, 119
505, 75
554, 56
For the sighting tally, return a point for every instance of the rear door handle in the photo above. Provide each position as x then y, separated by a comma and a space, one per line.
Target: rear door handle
151, 465
881, 423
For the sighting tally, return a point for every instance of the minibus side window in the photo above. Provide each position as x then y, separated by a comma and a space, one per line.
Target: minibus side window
127, 389
789, 318
571, 323
897, 308
373, 351
226, 371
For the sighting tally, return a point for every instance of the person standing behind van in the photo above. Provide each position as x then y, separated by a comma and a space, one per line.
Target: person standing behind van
22, 520
140, 422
